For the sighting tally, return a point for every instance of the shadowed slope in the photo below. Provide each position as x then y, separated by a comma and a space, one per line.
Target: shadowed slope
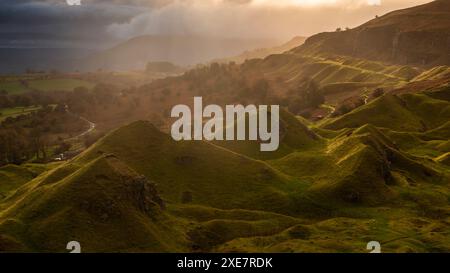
104, 205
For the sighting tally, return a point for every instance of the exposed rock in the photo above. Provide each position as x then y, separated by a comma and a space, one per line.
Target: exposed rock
146, 194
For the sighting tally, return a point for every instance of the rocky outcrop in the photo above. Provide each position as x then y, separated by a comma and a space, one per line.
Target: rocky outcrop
146, 194
415, 36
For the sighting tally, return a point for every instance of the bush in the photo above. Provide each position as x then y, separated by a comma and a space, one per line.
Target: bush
63, 147
378, 92
186, 197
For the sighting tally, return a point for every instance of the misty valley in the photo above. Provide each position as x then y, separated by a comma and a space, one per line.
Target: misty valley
198, 127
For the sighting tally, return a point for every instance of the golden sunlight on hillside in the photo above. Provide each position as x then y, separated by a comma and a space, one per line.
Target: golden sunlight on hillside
313, 3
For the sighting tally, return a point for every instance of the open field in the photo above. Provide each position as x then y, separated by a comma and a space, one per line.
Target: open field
17, 111
20, 86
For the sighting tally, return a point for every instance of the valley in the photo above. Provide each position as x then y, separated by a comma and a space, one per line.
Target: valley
364, 151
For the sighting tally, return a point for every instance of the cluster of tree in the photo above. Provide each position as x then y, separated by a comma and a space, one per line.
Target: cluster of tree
307, 95
352, 103
339, 29
348, 105
231, 83
228, 83
31, 136
28, 137
79, 99
25, 100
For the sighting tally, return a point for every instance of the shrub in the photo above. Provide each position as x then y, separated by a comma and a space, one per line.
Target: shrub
186, 197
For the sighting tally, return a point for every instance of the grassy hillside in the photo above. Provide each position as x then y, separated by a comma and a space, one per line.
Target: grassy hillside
369, 161
102, 195
262, 53
294, 135
336, 193
12, 176
389, 37
379, 172
195, 167
408, 112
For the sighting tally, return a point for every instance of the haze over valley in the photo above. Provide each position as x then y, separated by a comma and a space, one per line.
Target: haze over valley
87, 153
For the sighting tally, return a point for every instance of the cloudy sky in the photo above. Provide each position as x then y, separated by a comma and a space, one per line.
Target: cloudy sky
101, 23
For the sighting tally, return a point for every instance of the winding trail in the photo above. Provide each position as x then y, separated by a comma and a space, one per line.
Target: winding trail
92, 127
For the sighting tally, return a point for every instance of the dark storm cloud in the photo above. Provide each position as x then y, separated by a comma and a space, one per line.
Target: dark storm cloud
279, 19
28, 12
34, 23
103, 22
31, 23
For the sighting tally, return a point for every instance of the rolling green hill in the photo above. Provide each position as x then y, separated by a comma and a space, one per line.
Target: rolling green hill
408, 112
12, 176
294, 135
102, 195
195, 167
380, 171
356, 183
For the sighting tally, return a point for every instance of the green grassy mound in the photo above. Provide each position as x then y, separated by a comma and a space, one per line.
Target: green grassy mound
210, 174
104, 195
294, 135
380, 172
408, 112
13, 176
333, 73
350, 235
358, 185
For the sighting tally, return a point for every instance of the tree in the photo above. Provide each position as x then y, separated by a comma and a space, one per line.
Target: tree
295, 106
5, 101
378, 92
260, 90
306, 95
312, 95
39, 142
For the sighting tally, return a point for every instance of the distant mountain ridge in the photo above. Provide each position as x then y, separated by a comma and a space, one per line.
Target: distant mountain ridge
419, 36
132, 54
261, 53
179, 50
